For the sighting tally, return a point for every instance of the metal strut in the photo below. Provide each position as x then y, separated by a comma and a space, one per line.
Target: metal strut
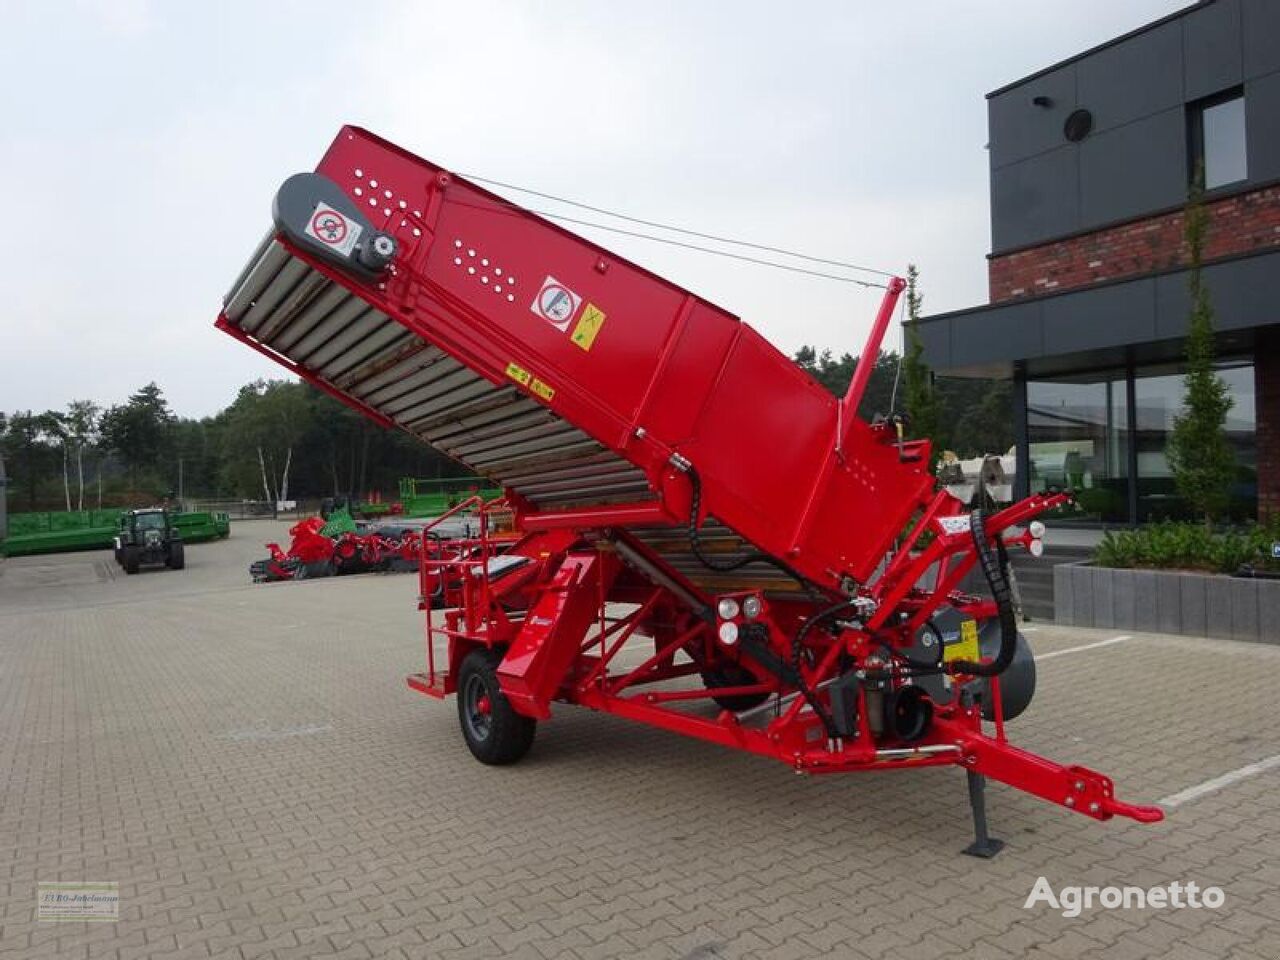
984, 845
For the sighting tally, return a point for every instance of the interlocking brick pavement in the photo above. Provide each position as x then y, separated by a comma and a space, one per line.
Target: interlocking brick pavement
246, 762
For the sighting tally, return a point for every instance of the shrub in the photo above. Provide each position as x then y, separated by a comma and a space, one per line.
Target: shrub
1189, 546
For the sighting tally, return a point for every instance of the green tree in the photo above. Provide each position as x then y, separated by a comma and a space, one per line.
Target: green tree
919, 395
81, 420
29, 456
265, 426
835, 374
139, 431
1199, 455
54, 427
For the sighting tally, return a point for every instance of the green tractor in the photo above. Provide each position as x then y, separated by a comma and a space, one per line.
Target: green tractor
148, 536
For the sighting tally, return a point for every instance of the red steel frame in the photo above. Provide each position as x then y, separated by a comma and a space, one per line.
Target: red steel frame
676, 386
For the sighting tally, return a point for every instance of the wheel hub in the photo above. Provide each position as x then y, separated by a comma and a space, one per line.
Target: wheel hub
478, 714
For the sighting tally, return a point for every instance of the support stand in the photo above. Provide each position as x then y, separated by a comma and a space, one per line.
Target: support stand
984, 845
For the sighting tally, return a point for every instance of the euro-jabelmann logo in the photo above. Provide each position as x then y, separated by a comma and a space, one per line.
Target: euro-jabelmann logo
1072, 901
58, 901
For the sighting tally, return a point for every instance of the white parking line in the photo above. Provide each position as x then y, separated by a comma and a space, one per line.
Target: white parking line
1082, 647
1217, 783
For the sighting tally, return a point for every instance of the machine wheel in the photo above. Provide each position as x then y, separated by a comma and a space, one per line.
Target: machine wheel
494, 732
129, 558
177, 558
733, 675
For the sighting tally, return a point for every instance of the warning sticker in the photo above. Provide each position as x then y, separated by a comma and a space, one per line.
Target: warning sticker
584, 334
526, 379
519, 374
965, 648
556, 303
333, 229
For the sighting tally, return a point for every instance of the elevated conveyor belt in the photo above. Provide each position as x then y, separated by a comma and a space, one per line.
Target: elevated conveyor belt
570, 376
323, 327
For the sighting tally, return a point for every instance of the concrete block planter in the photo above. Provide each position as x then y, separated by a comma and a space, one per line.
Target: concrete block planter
1165, 601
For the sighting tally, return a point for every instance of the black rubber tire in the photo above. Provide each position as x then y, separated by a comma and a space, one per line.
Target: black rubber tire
502, 736
177, 558
733, 675
129, 558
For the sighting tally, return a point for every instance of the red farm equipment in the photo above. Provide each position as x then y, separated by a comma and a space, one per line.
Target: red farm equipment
789, 569
315, 550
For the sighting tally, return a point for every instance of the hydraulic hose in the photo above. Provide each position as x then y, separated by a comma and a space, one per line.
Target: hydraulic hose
796, 643
722, 566
993, 570
695, 543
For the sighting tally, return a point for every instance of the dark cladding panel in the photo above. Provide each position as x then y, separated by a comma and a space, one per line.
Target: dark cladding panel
1244, 293
1211, 48
1262, 125
1034, 199
1260, 23
1003, 333
1103, 317
1133, 79
936, 340
1020, 129
1135, 169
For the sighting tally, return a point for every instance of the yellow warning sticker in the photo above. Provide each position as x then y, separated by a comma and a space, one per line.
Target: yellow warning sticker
519, 374
542, 390
965, 648
584, 334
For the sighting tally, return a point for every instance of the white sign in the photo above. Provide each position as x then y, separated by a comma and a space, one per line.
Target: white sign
77, 901
556, 303
955, 524
336, 231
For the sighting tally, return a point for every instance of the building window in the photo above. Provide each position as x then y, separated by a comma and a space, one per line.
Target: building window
1218, 146
1159, 393
1079, 440
1082, 435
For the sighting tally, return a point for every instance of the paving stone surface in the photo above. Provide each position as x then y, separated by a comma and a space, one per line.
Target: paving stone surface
248, 765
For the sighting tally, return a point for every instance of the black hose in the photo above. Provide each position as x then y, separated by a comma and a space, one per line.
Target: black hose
695, 506
993, 570
796, 643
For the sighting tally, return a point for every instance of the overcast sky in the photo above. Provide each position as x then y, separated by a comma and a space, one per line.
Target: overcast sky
141, 144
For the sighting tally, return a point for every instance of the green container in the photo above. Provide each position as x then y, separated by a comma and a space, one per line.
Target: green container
53, 532
430, 498
59, 531
202, 525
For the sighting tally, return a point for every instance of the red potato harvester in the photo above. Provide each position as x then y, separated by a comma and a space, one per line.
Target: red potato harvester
790, 569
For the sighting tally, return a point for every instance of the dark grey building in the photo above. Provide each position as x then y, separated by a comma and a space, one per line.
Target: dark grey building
1091, 161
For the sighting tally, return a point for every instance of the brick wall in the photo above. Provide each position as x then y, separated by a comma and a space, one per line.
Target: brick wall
1238, 224
1266, 372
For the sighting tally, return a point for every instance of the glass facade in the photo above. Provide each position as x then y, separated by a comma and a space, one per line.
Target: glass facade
1105, 433
1078, 438
1158, 399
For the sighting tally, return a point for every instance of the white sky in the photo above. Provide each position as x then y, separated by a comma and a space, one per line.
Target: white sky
141, 144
